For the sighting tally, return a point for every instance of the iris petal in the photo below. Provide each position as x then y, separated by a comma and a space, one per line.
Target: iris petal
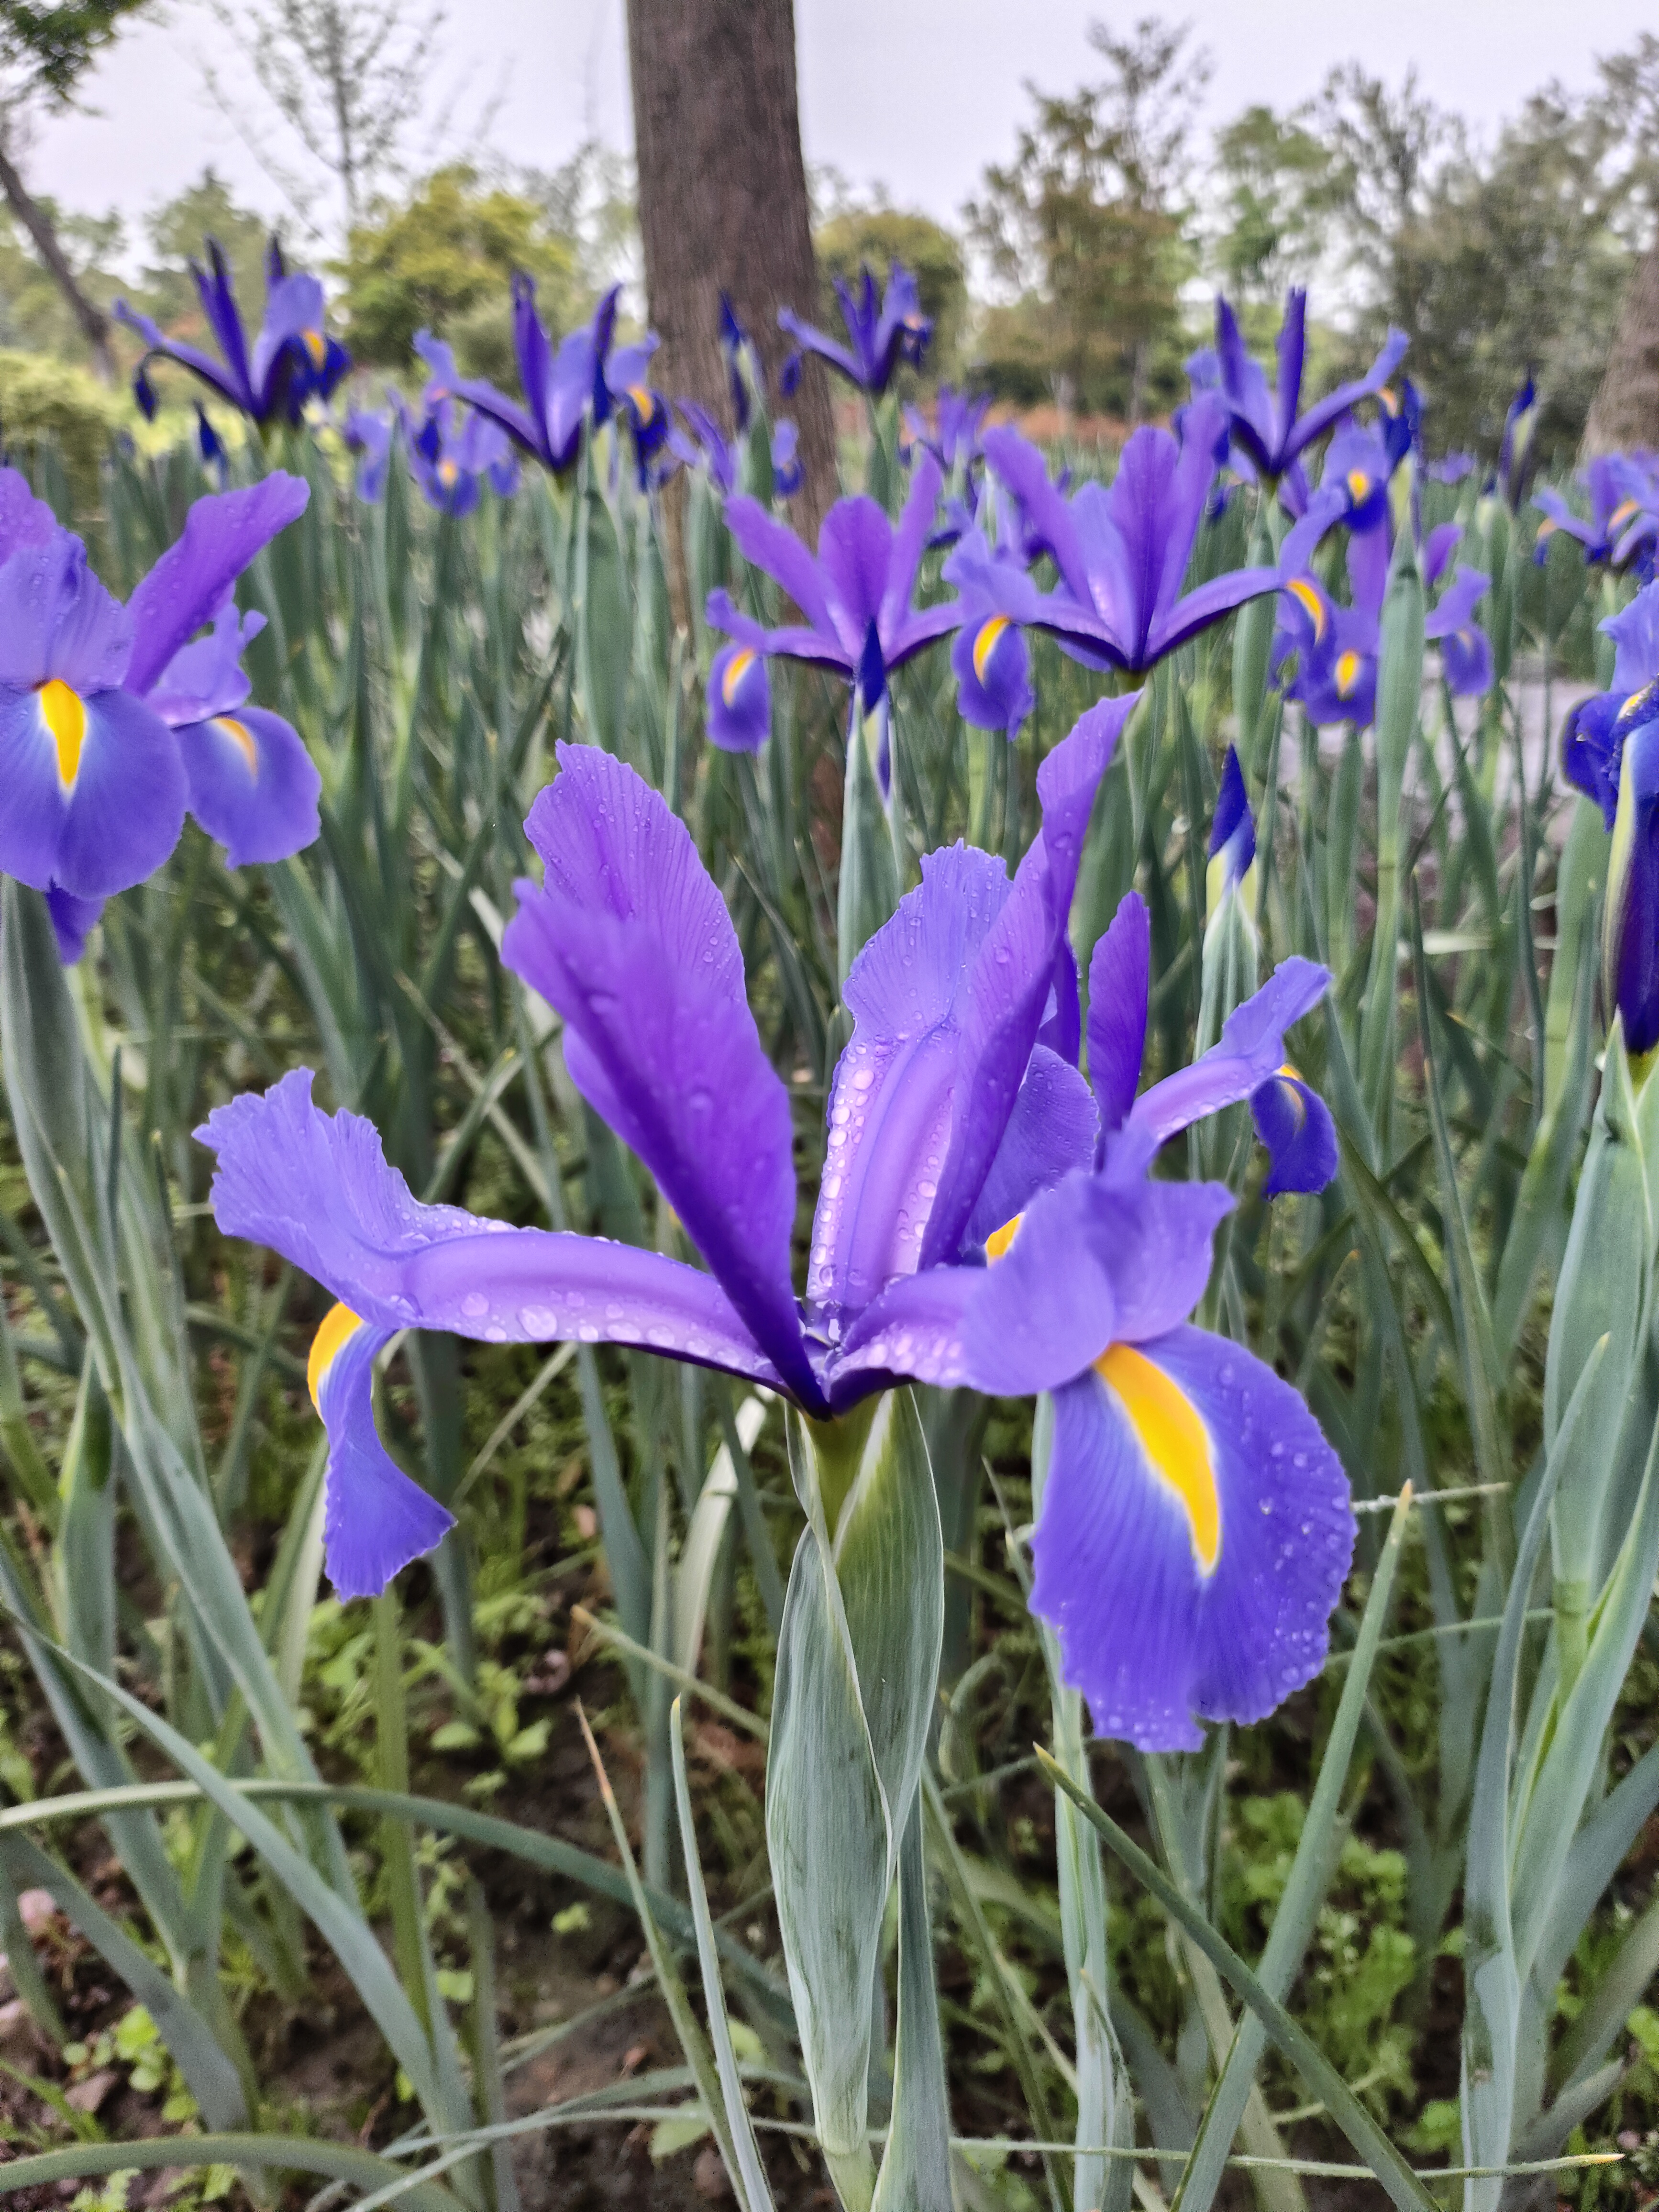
253, 785
375, 1520
1153, 1638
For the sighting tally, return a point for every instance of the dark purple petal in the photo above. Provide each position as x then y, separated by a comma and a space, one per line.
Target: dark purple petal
1119, 984
631, 942
1205, 1588
187, 357
1590, 758
221, 535
908, 541
1635, 634
316, 1187
1051, 1131
1292, 349
918, 630
1295, 1124
217, 294
375, 1520
1245, 385
291, 349
253, 785
72, 922
912, 1333
810, 339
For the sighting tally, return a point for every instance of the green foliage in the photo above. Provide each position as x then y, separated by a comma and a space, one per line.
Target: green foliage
442, 261
43, 399
178, 231
46, 47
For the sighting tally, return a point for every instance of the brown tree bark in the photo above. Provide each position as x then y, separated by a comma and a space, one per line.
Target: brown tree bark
1625, 410
92, 321
723, 202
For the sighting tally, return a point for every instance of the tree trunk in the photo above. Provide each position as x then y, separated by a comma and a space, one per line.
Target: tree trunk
1626, 412
92, 321
723, 201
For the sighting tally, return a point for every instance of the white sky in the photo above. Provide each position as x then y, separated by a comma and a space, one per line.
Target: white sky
917, 94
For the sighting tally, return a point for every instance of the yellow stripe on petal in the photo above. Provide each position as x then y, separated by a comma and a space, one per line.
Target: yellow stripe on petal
1622, 513
997, 1244
1173, 1436
64, 712
338, 1323
242, 737
736, 669
316, 346
986, 643
1313, 599
1359, 485
1347, 674
644, 400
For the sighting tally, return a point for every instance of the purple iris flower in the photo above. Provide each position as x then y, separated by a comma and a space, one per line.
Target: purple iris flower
1264, 425
1195, 1527
1451, 468
292, 359
880, 334
989, 657
1517, 455
739, 698
943, 1095
954, 440
452, 448
1123, 554
1619, 491
562, 391
856, 595
211, 448
112, 723
649, 423
1610, 749
369, 436
707, 447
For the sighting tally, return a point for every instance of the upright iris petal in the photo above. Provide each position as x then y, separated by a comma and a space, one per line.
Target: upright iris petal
562, 391
1267, 426
879, 335
1232, 840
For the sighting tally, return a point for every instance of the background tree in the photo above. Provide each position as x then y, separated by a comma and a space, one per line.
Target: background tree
1277, 185
1088, 224
45, 52
1625, 410
178, 230
351, 81
722, 196
444, 259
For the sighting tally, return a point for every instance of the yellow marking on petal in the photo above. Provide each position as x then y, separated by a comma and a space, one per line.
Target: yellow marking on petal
1173, 1436
1359, 484
997, 1244
1622, 513
644, 400
316, 346
1291, 1080
1348, 665
65, 713
242, 737
986, 643
338, 1324
736, 669
1546, 526
1313, 599
1390, 399
447, 472
1294, 1073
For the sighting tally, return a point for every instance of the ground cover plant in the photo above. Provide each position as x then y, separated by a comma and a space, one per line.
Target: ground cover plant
827, 1368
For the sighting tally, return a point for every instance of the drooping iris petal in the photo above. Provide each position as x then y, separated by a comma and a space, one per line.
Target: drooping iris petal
72, 922
207, 677
1194, 1534
375, 1520
1052, 1130
93, 790
739, 699
316, 1187
253, 785
630, 940
1120, 972
1295, 1124
1635, 634
1589, 757
992, 664
221, 534
1251, 1048
1466, 660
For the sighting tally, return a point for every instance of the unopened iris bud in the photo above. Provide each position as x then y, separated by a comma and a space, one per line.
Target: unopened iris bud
1232, 845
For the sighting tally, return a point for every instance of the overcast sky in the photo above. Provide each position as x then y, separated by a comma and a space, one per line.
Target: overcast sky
916, 94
